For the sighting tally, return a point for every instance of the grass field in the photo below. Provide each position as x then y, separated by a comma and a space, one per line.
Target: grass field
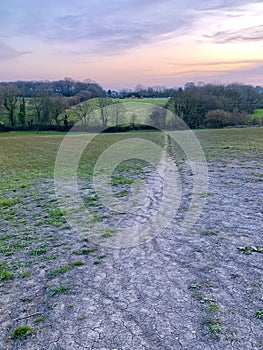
93, 104
258, 114
44, 265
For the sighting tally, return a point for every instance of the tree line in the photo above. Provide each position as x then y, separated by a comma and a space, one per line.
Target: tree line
215, 105
57, 105
29, 105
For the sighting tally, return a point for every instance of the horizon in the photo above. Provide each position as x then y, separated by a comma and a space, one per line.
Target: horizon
122, 44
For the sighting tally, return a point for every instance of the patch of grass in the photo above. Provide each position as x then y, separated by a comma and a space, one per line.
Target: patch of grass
22, 331
120, 180
97, 262
25, 274
78, 263
5, 274
102, 256
250, 249
259, 314
214, 325
60, 270
38, 251
8, 202
212, 307
85, 251
122, 193
40, 319
208, 233
26, 299
195, 285
107, 233
59, 290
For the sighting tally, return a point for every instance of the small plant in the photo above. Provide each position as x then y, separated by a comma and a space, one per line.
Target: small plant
208, 233
8, 202
39, 251
259, 314
5, 274
250, 249
85, 251
59, 270
122, 193
22, 331
25, 274
26, 299
214, 325
40, 319
212, 307
59, 290
97, 262
77, 263
194, 285
102, 256
107, 233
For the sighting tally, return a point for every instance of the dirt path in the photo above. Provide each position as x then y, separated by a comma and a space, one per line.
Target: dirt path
177, 291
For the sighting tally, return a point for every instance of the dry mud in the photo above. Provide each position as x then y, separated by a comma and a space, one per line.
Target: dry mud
193, 290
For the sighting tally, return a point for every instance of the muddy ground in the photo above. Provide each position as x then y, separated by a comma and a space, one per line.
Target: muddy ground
195, 290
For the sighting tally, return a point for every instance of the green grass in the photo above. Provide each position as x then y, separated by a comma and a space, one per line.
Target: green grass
22, 331
259, 314
5, 274
59, 290
214, 325
258, 114
93, 104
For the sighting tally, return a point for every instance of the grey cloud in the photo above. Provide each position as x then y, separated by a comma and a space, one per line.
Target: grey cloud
7, 52
244, 35
108, 27
116, 31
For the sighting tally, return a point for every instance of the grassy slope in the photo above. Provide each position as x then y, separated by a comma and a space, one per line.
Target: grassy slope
258, 114
72, 112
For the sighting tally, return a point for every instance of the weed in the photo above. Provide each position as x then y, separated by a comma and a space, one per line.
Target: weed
59, 290
40, 319
122, 193
24, 274
39, 251
250, 249
60, 270
8, 202
209, 233
22, 331
195, 286
77, 263
26, 299
97, 262
102, 256
214, 325
259, 314
85, 251
212, 307
5, 274
107, 233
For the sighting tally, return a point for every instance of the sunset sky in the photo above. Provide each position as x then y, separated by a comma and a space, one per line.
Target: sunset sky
122, 43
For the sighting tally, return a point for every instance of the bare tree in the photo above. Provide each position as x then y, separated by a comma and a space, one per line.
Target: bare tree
117, 113
105, 113
84, 113
133, 119
10, 98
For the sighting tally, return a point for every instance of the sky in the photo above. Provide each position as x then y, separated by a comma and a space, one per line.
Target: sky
122, 43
